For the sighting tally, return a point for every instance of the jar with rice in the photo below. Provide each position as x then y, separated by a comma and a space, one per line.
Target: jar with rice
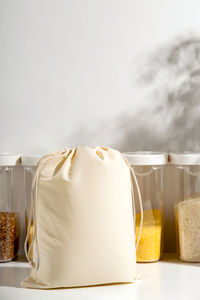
187, 205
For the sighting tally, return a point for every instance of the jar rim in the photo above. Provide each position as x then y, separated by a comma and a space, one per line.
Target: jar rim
7, 159
184, 158
31, 160
144, 158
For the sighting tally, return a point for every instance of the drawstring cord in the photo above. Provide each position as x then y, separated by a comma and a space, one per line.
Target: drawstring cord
140, 200
141, 208
32, 219
33, 210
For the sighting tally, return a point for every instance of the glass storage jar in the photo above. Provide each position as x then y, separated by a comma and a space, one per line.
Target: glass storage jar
187, 204
29, 163
9, 217
149, 170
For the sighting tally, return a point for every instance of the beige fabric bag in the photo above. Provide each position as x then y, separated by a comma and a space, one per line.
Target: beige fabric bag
83, 220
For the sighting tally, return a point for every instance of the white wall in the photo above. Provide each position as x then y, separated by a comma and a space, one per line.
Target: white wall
67, 72
67, 65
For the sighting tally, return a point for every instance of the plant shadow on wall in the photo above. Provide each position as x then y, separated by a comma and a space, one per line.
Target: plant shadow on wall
166, 111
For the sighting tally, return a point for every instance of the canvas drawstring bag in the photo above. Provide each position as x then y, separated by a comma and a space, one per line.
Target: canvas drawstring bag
83, 220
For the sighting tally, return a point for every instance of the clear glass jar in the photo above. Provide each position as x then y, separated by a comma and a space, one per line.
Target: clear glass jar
29, 162
9, 217
187, 204
149, 169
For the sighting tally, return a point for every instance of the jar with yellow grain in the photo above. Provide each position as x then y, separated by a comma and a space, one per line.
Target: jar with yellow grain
149, 169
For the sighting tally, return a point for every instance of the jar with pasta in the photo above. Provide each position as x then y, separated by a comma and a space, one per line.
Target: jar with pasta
149, 169
186, 166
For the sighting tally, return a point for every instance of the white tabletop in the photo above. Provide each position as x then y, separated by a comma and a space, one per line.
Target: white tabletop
168, 279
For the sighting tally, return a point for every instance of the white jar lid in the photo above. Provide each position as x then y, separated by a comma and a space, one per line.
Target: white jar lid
184, 158
145, 158
31, 160
7, 159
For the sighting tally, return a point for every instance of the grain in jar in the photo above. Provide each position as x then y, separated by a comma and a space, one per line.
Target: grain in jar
149, 247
